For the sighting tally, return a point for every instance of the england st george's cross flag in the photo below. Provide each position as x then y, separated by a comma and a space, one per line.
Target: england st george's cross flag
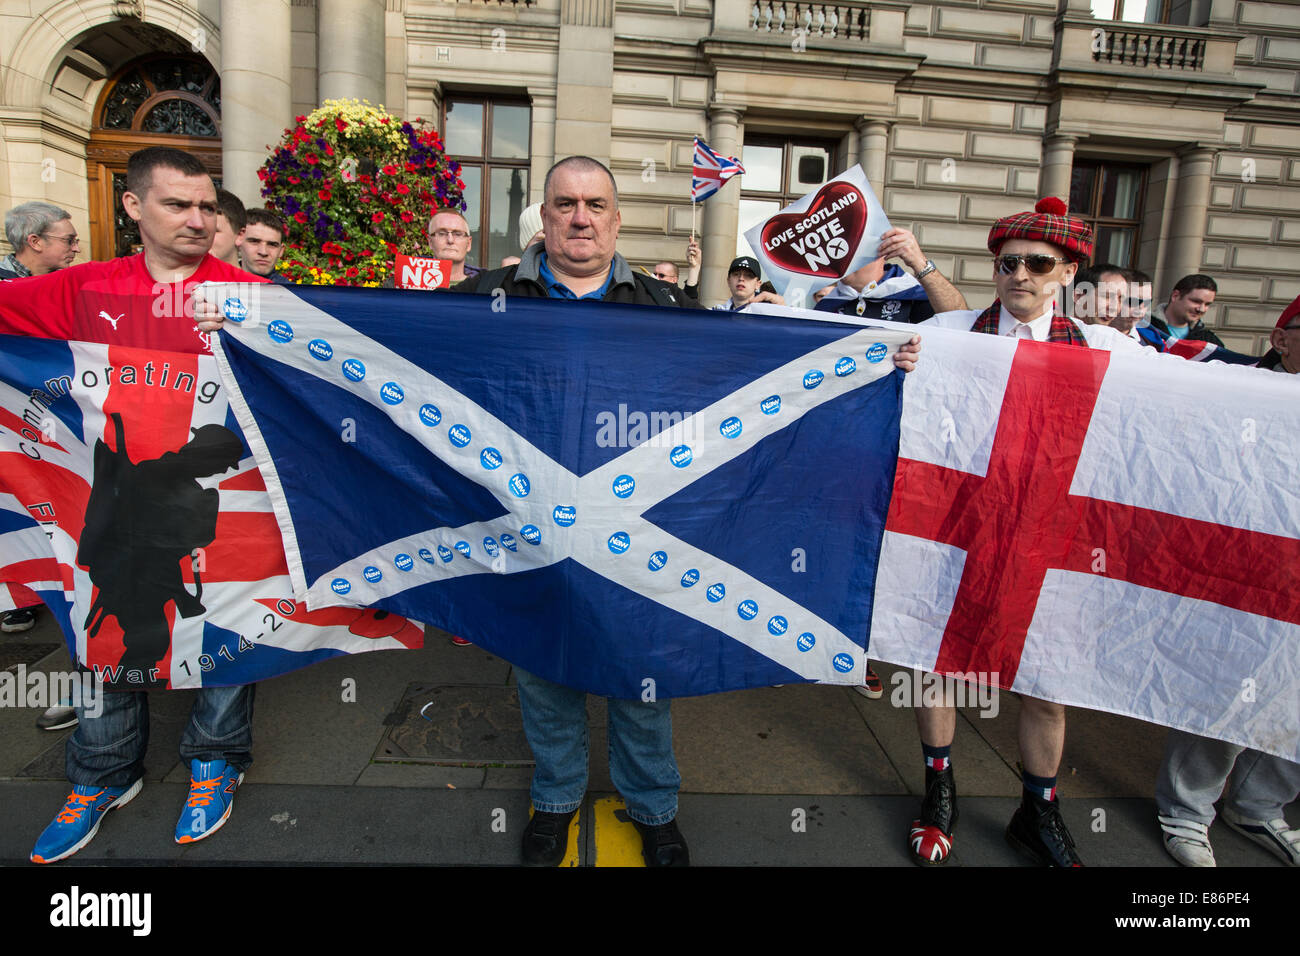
130, 506
618, 498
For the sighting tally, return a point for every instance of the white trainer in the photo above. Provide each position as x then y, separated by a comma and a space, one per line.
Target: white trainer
1273, 835
1187, 841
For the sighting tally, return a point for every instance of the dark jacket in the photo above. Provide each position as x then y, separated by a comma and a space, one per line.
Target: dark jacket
627, 287
1200, 332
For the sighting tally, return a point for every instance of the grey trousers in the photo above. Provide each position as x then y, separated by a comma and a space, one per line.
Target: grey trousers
1195, 770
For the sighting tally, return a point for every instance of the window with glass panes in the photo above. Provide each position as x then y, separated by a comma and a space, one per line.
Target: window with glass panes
1178, 12
1109, 196
777, 172
490, 138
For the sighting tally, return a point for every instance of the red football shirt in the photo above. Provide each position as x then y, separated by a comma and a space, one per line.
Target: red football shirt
115, 302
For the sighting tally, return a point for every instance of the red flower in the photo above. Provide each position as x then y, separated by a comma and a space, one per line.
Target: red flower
329, 150
406, 216
324, 195
377, 217
412, 168
300, 217
367, 253
261, 174
300, 119
365, 198
339, 124
294, 180
389, 170
311, 159
403, 188
353, 271
392, 248
383, 120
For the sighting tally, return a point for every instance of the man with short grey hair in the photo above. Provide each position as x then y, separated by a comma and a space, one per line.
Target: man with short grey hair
43, 237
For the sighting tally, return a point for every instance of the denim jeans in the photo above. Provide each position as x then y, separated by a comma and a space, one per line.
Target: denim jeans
108, 750
641, 760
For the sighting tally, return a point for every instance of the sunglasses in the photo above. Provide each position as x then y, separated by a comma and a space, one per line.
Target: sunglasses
1037, 264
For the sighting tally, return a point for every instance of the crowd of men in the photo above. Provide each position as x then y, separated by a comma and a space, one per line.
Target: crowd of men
192, 232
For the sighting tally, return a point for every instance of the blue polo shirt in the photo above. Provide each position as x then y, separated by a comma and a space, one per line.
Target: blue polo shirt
558, 290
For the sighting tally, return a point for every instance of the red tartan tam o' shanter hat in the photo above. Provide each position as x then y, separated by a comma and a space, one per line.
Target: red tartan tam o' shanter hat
1049, 222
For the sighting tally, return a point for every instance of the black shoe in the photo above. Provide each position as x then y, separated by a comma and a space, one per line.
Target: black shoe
1038, 831
546, 838
663, 845
930, 838
14, 622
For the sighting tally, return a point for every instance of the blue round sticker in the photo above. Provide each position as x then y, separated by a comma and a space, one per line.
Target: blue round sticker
490, 546
842, 663
845, 366
392, 393
490, 459
770, 405
531, 533
340, 585
777, 625
403, 562
234, 309
371, 573
519, 486
813, 379
445, 553
748, 610
462, 547
681, 456
619, 542
690, 578
876, 352
508, 542
430, 415
320, 349
716, 592
624, 485
427, 556
458, 435
354, 370
731, 428
280, 331
657, 560
806, 641
564, 515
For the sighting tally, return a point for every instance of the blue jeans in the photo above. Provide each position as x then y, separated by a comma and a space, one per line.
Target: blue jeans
641, 760
108, 750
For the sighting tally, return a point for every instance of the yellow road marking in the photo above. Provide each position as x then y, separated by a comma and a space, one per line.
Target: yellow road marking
617, 842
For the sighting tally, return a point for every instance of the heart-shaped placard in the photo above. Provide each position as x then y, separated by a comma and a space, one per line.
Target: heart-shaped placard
820, 249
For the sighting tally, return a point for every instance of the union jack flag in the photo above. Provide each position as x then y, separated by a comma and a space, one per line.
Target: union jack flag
710, 171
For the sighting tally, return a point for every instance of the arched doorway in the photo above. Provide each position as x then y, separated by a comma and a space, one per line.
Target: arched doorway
163, 100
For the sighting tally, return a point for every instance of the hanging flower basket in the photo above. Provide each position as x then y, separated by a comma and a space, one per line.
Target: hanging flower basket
356, 185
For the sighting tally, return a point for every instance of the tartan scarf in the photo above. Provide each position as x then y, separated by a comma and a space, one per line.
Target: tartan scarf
1062, 329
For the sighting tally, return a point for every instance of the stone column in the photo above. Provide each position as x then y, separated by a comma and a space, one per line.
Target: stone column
584, 93
1187, 224
350, 47
1058, 163
873, 142
543, 101
720, 214
256, 104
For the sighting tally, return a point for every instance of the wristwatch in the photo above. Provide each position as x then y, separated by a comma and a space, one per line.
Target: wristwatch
929, 267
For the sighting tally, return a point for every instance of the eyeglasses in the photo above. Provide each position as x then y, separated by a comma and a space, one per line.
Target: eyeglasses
454, 235
71, 240
1037, 264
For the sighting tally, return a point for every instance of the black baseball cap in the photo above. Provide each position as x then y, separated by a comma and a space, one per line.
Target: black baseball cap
745, 262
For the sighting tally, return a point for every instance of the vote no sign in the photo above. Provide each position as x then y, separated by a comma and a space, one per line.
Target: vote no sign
418, 272
820, 238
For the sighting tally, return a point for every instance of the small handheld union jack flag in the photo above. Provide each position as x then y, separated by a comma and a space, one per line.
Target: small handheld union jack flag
710, 171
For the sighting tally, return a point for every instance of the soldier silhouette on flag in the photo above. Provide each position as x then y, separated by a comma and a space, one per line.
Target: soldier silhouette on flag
142, 520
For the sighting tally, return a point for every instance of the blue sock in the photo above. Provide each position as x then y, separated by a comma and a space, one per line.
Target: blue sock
1040, 788
937, 758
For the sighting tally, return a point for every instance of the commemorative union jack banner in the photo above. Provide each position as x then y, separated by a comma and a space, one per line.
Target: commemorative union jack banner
131, 507
710, 171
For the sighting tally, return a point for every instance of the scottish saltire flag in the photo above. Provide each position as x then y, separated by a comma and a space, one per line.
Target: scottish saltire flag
1113, 530
623, 499
710, 172
130, 506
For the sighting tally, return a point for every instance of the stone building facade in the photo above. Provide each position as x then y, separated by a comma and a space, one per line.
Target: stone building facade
1178, 137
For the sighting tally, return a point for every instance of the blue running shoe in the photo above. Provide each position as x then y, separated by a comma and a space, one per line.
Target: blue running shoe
212, 794
79, 820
